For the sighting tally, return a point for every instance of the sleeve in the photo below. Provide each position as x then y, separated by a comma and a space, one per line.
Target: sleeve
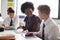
16, 22
25, 19
38, 20
25, 23
36, 25
5, 22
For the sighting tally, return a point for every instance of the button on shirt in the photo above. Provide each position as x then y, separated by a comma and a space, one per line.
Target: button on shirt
15, 20
51, 30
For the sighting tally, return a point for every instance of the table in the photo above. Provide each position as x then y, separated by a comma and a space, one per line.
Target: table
18, 36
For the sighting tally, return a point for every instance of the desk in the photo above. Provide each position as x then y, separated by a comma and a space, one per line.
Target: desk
18, 36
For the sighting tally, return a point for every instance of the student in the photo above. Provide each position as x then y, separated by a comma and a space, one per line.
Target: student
49, 30
32, 21
11, 22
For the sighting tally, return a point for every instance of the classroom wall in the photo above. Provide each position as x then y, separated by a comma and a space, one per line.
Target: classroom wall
4, 8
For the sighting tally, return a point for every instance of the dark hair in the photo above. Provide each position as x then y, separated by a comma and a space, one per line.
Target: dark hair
10, 10
27, 5
44, 9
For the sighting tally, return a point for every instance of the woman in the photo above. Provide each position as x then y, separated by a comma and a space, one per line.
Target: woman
32, 21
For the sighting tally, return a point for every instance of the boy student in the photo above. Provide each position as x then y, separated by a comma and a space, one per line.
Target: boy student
11, 22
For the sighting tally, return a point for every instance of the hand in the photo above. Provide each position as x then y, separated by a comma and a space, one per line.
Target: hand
3, 25
29, 34
20, 27
7, 28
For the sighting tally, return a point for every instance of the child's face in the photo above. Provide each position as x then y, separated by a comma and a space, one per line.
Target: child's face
41, 15
11, 15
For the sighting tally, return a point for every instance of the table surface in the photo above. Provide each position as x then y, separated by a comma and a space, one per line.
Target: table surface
18, 35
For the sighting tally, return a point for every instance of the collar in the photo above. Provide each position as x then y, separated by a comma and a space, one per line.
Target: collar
47, 21
13, 17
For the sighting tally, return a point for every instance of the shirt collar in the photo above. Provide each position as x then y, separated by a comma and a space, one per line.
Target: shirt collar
12, 18
47, 21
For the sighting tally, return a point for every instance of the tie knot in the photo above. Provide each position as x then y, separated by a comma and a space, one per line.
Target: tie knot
11, 19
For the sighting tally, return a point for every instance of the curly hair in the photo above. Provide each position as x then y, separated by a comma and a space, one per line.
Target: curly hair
27, 5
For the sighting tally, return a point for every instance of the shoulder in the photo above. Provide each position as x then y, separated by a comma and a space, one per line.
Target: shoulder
16, 16
53, 24
26, 18
7, 18
36, 18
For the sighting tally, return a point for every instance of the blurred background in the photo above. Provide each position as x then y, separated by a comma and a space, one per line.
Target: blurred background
16, 5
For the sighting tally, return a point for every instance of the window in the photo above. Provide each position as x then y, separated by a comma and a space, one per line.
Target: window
52, 3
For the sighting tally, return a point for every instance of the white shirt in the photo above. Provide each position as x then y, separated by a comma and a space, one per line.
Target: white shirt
1, 21
15, 20
51, 30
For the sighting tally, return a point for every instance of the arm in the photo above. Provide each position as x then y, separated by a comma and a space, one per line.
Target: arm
16, 22
6, 24
36, 27
34, 34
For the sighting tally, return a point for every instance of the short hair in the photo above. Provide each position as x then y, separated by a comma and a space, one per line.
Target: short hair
44, 9
27, 5
10, 10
